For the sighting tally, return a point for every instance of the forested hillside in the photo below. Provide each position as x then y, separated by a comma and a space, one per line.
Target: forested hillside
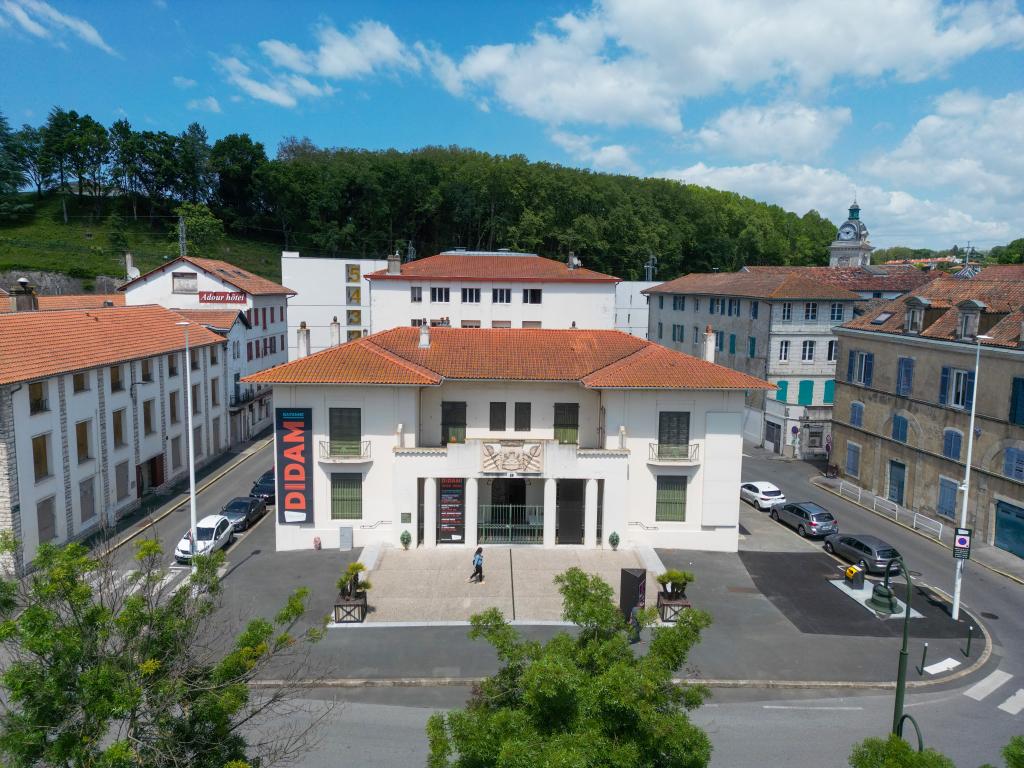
98, 191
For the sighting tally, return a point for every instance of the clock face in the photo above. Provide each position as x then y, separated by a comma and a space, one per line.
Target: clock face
846, 232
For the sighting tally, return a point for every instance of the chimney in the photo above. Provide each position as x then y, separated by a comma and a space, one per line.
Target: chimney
24, 297
709, 344
394, 264
303, 341
424, 336
335, 332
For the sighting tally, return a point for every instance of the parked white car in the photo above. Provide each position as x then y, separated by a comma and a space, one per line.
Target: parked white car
762, 495
213, 532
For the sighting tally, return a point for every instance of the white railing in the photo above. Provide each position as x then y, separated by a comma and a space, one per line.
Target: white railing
851, 490
934, 527
638, 524
348, 451
886, 507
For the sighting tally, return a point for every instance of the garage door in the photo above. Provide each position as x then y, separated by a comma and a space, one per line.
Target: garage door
1010, 528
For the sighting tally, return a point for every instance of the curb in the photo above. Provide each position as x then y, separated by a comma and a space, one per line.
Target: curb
246, 455
814, 481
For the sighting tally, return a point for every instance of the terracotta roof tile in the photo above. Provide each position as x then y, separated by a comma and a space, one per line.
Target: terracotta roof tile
755, 285
881, 277
81, 300
1002, 272
242, 279
596, 359
220, 319
504, 268
38, 344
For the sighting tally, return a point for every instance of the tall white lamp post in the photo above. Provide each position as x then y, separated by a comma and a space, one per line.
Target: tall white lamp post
959, 577
191, 448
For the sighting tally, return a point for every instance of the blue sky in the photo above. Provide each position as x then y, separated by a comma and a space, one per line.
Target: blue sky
915, 106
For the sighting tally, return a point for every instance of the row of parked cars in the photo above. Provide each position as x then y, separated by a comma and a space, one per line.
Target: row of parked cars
808, 519
216, 532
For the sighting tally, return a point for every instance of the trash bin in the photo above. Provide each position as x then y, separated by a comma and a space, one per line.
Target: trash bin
854, 577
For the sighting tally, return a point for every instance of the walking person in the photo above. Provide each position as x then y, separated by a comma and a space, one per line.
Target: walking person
478, 566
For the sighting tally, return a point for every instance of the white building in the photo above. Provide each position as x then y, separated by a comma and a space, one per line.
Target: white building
327, 290
92, 415
547, 437
195, 284
491, 289
632, 306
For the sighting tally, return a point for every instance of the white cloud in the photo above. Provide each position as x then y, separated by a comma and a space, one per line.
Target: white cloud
183, 82
894, 216
610, 157
787, 130
286, 55
276, 92
42, 20
209, 104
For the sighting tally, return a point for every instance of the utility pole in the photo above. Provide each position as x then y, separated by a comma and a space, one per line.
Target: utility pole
181, 236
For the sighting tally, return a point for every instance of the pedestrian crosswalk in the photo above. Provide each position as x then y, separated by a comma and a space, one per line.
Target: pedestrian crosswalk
988, 686
129, 582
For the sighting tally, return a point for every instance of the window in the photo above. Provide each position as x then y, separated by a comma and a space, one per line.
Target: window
807, 352
345, 431
946, 505
416, 294
734, 307
172, 406
567, 422
196, 396
753, 310
836, 315
805, 392
46, 519
501, 295
951, 443
273, 349
531, 295
852, 459
784, 350
670, 505
172, 364
215, 355
860, 367
470, 323
673, 434
147, 370
272, 311
41, 456
197, 441
498, 417
915, 319
417, 322
811, 310
899, 428
782, 391
470, 295
116, 379
787, 311
37, 400
80, 382
1017, 402
1013, 463
83, 433
501, 324
661, 302
696, 304
352, 273
659, 330
679, 303
522, 417
184, 282
857, 414
719, 340
148, 427
732, 343
715, 304
904, 376
751, 346
678, 333
353, 296
956, 388
118, 428
532, 324
87, 499
215, 391
193, 359
833, 350
830, 391
264, 318
453, 422
346, 496
696, 334
121, 481
176, 452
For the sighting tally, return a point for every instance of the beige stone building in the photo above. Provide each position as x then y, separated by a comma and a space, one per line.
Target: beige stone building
904, 393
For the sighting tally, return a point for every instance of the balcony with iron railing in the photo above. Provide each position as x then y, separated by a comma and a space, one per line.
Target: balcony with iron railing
670, 454
344, 451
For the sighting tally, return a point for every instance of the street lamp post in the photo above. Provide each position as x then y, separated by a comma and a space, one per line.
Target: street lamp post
191, 449
959, 576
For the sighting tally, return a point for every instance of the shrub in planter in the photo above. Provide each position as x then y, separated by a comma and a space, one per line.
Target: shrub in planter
674, 582
349, 585
406, 539
613, 539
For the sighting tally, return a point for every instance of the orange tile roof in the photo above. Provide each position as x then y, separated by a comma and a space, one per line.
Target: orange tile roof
34, 345
242, 279
755, 285
1002, 272
221, 319
595, 359
527, 268
880, 277
81, 300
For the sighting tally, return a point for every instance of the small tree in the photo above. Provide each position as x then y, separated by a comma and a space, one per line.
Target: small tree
578, 701
895, 752
203, 230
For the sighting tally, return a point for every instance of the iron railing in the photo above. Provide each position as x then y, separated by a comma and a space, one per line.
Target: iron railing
669, 452
344, 450
510, 524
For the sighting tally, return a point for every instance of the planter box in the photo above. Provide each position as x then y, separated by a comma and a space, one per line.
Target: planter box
350, 610
669, 608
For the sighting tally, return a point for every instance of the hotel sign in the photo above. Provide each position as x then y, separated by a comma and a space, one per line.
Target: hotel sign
222, 297
294, 447
517, 456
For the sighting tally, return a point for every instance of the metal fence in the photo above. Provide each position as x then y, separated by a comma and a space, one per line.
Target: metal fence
510, 524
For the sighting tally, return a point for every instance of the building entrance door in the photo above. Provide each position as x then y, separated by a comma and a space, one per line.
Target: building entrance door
569, 496
1010, 528
773, 436
897, 481
508, 519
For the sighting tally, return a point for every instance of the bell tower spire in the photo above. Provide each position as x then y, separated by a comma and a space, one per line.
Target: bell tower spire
851, 247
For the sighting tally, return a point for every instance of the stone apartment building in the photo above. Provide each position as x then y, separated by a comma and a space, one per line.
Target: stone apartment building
904, 396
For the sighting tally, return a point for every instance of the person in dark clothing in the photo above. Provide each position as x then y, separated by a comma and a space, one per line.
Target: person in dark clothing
478, 566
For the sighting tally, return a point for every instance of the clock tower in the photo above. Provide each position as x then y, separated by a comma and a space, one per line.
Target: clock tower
851, 247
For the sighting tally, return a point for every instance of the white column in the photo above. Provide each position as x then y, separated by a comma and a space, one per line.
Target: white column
472, 485
549, 511
590, 514
430, 512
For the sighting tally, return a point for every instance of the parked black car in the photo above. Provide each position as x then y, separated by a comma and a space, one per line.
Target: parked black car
265, 487
869, 552
244, 511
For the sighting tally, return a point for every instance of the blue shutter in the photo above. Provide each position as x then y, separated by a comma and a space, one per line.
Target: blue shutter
783, 390
905, 376
944, 386
857, 414
869, 364
1017, 402
969, 401
1013, 464
850, 366
732, 343
951, 442
753, 310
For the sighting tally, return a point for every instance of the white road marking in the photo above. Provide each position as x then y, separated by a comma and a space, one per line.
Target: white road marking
983, 688
942, 666
167, 579
788, 706
1014, 704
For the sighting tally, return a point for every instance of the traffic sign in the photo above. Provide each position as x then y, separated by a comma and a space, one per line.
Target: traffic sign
962, 544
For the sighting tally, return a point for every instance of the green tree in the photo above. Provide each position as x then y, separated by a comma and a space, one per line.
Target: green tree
95, 674
1011, 253
578, 701
203, 230
895, 752
28, 149
192, 160
126, 162
234, 162
11, 168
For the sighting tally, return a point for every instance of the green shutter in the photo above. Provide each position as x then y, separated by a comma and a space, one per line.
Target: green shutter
673, 434
346, 496
830, 391
670, 505
782, 392
732, 343
567, 423
346, 431
805, 395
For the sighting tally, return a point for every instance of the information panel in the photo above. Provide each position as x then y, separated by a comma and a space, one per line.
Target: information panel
294, 445
962, 543
451, 510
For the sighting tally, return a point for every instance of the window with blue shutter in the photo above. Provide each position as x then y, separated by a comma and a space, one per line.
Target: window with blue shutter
751, 346
783, 390
899, 429
753, 310
850, 366
830, 391
1013, 463
905, 376
969, 400
857, 414
1017, 402
944, 386
869, 365
853, 460
805, 395
951, 443
732, 343
947, 497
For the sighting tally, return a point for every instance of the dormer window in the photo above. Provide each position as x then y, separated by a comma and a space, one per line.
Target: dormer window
968, 319
967, 327
915, 320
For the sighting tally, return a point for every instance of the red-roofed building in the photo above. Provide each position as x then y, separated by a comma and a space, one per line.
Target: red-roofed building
537, 436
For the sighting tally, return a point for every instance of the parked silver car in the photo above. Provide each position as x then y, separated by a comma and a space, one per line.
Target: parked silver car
808, 518
869, 552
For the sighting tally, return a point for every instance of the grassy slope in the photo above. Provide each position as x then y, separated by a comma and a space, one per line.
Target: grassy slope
83, 247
